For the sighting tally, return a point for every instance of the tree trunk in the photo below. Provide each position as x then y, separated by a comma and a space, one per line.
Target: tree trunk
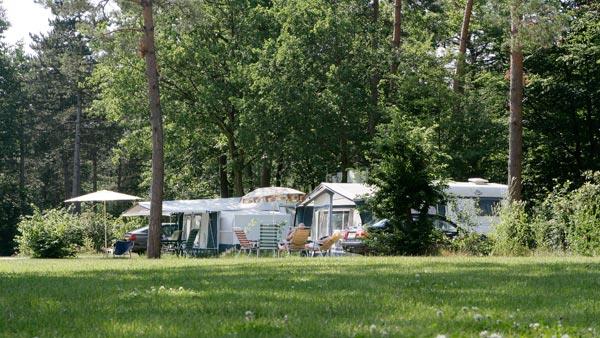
95, 171
515, 146
265, 172
148, 50
279, 173
396, 35
76, 187
120, 174
457, 84
22, 155
375, 77
66, 178
237, 169
223, 181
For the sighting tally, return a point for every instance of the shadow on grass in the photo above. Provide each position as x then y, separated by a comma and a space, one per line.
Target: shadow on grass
303, 298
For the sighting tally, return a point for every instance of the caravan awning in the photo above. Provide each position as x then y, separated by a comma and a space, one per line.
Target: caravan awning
199, 206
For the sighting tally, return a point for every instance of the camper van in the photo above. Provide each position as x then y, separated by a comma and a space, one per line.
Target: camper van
473, 203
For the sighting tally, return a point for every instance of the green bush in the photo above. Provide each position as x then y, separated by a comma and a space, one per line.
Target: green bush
584, 239
513, 234
54, 233
472, 243
93, 226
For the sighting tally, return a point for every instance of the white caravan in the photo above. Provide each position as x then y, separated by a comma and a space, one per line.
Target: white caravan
473, 203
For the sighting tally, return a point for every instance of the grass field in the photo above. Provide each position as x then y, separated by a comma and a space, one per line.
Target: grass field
320, 297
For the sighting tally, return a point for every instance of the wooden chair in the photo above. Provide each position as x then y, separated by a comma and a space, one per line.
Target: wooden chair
268, 239
245, 243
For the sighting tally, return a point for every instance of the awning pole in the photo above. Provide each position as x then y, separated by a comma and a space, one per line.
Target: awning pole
105, 232
330, 215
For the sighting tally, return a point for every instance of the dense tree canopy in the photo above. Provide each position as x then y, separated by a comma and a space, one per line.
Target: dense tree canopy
258, 92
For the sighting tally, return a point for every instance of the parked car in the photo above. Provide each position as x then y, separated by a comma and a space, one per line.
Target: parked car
140, 236
352, 240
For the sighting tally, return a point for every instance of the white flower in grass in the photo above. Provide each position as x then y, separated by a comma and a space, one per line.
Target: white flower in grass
534, 326
441, 336
495, 335
484, 334
465, 309
478, 317
181, 288
285, 319
565, 336
162, 288
249, 315
474, 308
373, 329
417, 275
439, 313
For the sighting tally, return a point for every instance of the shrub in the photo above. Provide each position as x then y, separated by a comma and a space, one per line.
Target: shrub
513, 234
54, 233
93, 226
403, 168
584, 238
472, 243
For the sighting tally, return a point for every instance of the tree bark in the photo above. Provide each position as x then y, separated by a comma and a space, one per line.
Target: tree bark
22, 155
223, 181
149, 51
515, 146
396, 35
237, 169
457, 83
76, 187
265, 172
375, 77
95, 171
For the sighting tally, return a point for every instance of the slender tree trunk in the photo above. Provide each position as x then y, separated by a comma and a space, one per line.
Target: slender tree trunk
76, 187
66, 178
515, 146
375, 77
457, 84
344, 161
120, 174
223, 181
396, 35
157, 132
265, 172
237, 169
279, 173
22, 155
95, 171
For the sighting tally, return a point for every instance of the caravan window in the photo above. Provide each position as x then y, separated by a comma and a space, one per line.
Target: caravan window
488, 205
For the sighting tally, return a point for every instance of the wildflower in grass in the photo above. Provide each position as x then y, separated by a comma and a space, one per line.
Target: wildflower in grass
249, 315
441, 336
162, 288
478, 317
439, 313
534, 326
484, 334
474, 308
285, 319
465, 309
373, 329
495, 335
565, 336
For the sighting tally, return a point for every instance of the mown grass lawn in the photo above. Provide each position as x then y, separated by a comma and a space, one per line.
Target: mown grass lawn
318, 297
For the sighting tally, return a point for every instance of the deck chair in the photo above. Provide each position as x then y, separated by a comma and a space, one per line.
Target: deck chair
245, 243
324, 246
121, 248
268, 239
298, 241
172, 242
187, 248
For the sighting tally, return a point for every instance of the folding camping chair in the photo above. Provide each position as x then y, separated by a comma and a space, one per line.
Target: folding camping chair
187, 248
245, 243
324, 246
298, 241
121, 248
269, 238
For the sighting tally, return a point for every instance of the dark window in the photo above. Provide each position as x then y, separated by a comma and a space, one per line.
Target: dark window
488, 205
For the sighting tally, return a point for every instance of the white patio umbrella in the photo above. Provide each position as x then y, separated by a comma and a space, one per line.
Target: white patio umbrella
103, 196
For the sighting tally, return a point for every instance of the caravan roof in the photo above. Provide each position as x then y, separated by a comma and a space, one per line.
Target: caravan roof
199, 206
477, 189
344, 194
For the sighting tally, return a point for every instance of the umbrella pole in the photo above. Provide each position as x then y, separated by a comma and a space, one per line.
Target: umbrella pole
105, 232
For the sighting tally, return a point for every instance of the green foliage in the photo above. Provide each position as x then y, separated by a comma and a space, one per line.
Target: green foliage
513, 234
471, 243
54, 233
403, 169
